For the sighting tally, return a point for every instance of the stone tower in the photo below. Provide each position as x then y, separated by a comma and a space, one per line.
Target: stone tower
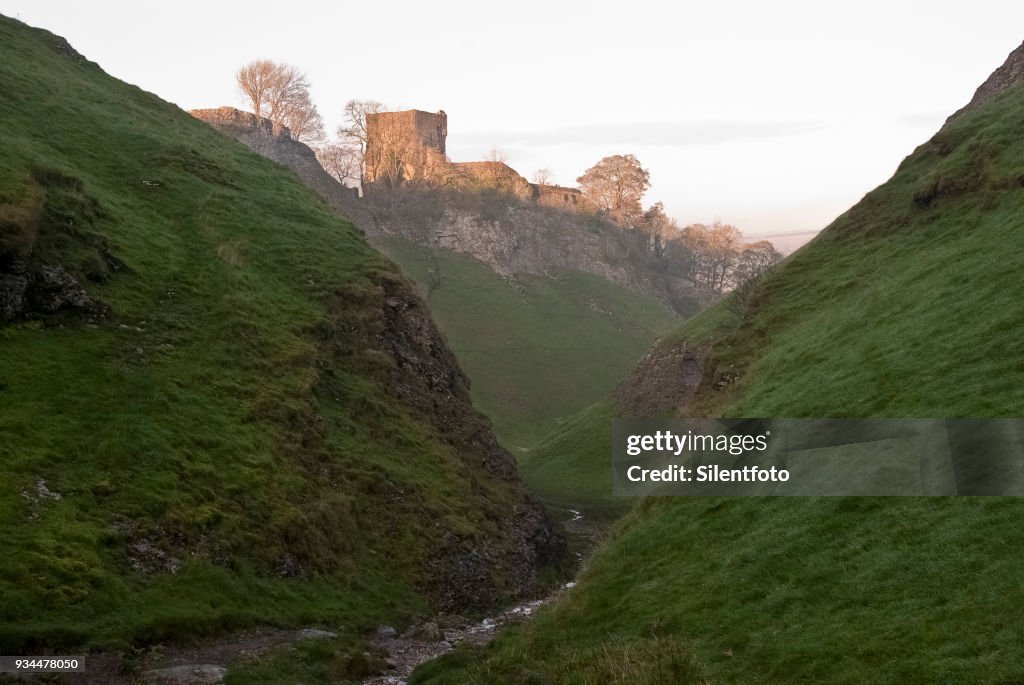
404, 146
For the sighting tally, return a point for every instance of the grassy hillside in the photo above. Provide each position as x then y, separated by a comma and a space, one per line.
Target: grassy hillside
909, 304
571, 466
254, 421
538, 349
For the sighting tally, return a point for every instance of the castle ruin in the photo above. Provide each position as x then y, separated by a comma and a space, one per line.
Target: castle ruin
404, 146
410, 146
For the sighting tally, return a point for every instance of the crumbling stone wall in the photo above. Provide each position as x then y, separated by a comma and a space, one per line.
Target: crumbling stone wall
497, 175
560, 197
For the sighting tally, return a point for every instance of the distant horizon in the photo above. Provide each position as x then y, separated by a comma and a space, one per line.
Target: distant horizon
773, 119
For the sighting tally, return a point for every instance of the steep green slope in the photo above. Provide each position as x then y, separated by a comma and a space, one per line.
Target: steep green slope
571, 467
909, 304
218, 405
538, 349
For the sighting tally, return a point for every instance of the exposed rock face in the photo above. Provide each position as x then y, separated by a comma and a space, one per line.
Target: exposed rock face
57, 289
13, 285
666, 378
62, 47
1002, 79
37, 280
29, 289
427, 379
516, 238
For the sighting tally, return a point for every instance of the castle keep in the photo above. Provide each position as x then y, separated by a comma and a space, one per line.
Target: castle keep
410, 146
404, 146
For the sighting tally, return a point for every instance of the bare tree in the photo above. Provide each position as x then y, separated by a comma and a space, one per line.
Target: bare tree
496, 155
290, 88
658, 226
280, 92
354, 134
720, 260
616, 184
754, 260
341, 162
303, 118
720, 245
542, 177
255, 80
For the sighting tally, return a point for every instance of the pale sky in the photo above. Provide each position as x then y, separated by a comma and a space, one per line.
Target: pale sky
775, 117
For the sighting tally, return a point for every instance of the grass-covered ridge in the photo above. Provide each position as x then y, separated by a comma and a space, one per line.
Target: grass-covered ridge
539, 348
907, 305
228, 441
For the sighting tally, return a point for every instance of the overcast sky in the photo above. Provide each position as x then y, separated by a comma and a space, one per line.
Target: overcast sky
775, 116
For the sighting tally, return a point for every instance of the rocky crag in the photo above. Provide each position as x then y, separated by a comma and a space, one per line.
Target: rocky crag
1009, 74
521, 237
49, 248
425, 378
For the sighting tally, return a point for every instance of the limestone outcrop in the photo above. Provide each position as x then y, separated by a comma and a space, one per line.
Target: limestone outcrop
524, 238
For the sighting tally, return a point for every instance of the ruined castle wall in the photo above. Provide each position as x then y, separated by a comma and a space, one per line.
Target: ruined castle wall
410, 146
424, 129
560, 197
431, 129
497, 175
404, 146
